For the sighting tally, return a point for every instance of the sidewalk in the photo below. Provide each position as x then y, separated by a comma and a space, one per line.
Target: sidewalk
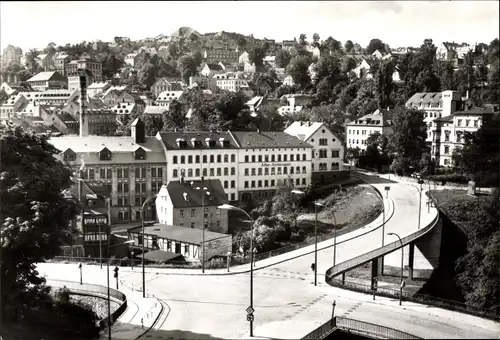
265, 263
141, 314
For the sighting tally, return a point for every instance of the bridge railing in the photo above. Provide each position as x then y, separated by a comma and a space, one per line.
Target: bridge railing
364, 258
352, 325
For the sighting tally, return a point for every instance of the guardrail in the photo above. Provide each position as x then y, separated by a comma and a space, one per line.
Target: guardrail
367, 257
352, 325
491, 313
94, 290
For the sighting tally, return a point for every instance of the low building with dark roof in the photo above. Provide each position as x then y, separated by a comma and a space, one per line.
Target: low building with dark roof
193, 204
48, 80
188, 242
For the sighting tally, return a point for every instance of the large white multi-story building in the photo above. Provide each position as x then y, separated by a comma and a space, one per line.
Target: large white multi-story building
249, 164
358, 131
435, 105
327, 152
448, 132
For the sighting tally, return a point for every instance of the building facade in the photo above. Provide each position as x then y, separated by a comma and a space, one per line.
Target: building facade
193, 204
328, 149
133, 168
434, 105
48, 80
93, 66
449, 131
358, 131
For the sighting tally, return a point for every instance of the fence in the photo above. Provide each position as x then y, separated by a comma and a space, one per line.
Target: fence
94, 290
352, 325
491, 313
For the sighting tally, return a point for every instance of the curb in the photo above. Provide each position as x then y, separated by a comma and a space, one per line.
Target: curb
155, 320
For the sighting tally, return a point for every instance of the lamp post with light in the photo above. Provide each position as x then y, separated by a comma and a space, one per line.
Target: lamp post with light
250, 309
205, 192
402, 261
149, 199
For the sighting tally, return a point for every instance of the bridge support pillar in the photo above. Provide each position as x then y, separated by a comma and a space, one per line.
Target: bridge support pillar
375, 270
411, 258
343, 278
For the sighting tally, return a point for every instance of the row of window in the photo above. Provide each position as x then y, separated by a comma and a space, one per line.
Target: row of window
274, 158
182, 172
274, 171
95, 237
123, 201
272, 183
467, 122
205, 159
106, 173
357, 141
324, 166
363, 132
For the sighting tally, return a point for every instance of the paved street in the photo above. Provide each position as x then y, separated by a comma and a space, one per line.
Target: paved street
284, 295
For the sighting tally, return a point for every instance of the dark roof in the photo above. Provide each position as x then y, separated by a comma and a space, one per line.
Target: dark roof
381, 118
444, 119
66, 117
179, 192
267, 139
159, 256
425, 97
215, 67
477, 111
174, 233
170, 139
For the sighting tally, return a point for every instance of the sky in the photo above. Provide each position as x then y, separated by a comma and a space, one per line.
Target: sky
397, 23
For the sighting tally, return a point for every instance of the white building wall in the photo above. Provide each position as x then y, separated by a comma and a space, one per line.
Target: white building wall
333, 145
357, 135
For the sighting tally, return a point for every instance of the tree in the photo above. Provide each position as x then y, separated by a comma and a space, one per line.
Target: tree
375, 44
348, 46
35, 214
444, 71
477, 271
242, 42
187, 67
316, 39
283, 58
299, 70
198, 58
256, 56
173, 50
302, 39
331, 44
384, 84
147, 74
352, 154
152, 124
174, 118
408, 138
110, 64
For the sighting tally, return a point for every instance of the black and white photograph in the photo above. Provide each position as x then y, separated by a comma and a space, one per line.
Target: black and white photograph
249, 170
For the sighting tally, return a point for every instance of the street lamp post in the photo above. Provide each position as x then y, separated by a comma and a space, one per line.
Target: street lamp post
250, 309
420, 181
316, 205
402, 262
205, 192
142, 222
107, 272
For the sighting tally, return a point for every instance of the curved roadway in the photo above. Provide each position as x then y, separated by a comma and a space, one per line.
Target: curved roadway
287, 304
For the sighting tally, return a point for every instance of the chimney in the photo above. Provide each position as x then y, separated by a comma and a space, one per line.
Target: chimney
138, 131
258, 130
186, 198
192, 184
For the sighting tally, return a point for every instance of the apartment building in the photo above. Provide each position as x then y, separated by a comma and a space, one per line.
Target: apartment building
60, 62
358, 131
249, 164
133, 168
328, 149
448, 132
74, 79
92, 65
435, 105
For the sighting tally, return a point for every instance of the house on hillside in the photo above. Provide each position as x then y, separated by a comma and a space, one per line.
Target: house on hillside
328, 149
209, 70
48, 80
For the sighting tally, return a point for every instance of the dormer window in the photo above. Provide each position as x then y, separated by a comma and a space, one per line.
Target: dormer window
105, 155
197, 144
140, 154
69, 155
211, 144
